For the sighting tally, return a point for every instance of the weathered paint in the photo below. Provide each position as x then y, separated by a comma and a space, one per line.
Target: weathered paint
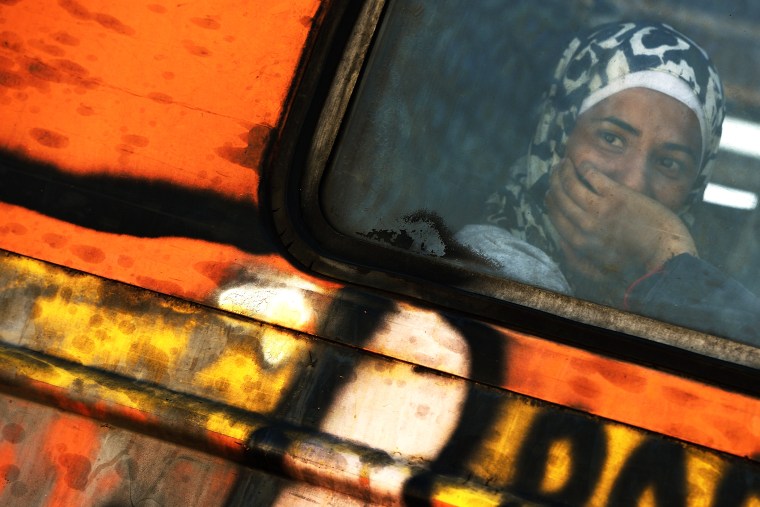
205, 351
589, 458
323, 413
184, 93
78, 461
169, 342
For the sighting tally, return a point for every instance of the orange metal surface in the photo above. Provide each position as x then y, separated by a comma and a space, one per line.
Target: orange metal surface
645, 397
186, 93
182, 267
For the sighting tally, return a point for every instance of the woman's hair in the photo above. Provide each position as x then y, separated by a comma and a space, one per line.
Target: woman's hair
596, 65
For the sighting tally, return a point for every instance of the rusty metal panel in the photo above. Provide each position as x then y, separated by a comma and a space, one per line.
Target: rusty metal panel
144, 103
322, 413
195, 350
183, 92
55, 458
49, 457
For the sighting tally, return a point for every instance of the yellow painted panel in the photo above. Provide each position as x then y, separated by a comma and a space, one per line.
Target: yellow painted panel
240, 379
93, 322
495, 458
461, 496
559, 467
623, 441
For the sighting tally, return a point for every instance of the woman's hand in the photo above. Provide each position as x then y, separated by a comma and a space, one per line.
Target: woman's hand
608, 230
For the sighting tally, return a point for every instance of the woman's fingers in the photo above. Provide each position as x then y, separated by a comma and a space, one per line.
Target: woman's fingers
607, 229
589, 224
595, 180
569, 221
578, 187
560, 203
569, 197
565, 227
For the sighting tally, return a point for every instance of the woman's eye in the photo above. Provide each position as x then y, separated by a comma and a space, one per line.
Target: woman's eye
670, 167
611, 139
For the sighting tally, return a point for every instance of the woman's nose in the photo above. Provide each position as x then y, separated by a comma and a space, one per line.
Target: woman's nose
632, 173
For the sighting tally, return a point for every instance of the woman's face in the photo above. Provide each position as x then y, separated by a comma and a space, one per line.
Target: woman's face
643, 139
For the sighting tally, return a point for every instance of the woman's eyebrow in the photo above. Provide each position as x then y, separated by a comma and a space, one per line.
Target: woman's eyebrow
620, 123
682, 148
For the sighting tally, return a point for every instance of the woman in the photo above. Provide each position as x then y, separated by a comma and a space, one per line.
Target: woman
626, 141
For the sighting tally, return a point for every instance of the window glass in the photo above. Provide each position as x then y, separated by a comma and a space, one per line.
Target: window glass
574, 147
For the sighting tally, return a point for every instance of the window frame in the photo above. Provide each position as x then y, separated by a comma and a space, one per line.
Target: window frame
320, 101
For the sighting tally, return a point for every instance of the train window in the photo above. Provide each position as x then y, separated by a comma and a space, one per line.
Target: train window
572, 152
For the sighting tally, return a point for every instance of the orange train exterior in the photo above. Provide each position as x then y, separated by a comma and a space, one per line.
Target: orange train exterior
160, 348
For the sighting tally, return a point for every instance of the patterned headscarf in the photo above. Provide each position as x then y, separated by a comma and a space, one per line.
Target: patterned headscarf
609, 59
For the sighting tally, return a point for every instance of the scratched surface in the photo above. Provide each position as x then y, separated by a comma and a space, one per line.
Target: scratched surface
78, 461
187, 348
326, 414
